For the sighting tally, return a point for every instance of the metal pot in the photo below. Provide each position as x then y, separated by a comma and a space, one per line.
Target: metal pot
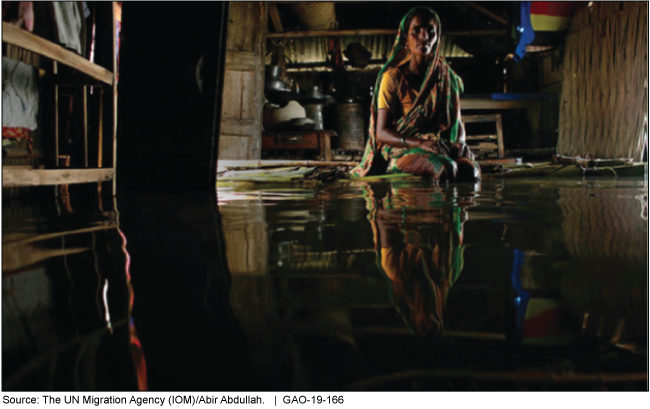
273, 82
272, 72
276, 85
313, 96
315, 113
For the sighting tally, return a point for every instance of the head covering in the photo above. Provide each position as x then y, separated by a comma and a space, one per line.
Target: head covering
436, 108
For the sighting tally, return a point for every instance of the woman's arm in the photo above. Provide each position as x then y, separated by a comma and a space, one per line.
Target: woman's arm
460, 137
461, 129
387, 134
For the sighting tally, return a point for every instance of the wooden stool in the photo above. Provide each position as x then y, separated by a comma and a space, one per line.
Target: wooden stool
485, 145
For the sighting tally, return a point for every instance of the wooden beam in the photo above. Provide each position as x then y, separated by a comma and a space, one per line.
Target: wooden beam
481, 103
275, 18
268, 164
16, 258
24, 239
24, 39
531, 152
51, 177
473, 119
376, 32
486, 12
481, 137
15, 153
509, 161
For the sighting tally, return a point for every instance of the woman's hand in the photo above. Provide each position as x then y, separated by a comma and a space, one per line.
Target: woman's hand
434, 147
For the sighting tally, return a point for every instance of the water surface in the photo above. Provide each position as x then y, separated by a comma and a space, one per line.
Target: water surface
392, 285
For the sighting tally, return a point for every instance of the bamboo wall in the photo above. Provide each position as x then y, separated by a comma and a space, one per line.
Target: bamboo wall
609, 223
605, 92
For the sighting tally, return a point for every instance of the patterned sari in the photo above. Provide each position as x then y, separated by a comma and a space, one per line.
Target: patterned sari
435, 110
425, 256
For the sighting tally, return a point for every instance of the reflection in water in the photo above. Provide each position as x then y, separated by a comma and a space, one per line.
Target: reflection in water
67, 300
271, 349
595, 283
396, 285
418, 240
486, 277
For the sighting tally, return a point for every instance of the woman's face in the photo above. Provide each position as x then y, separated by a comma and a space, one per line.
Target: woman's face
422, 35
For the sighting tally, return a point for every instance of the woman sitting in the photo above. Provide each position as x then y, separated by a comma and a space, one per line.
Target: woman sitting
415, 124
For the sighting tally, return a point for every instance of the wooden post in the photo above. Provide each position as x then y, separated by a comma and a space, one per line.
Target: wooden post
114, 94
502, 149
324, 141
105, 58
55, 70
534, 116
100, 134
85, 124
275, 18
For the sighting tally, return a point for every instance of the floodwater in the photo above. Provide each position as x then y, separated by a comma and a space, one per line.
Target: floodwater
504, 285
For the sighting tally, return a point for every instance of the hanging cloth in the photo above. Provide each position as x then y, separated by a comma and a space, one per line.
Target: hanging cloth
523, 29
19, 95
68, 24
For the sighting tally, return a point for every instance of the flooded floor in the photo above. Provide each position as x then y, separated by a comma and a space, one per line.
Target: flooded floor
505, 285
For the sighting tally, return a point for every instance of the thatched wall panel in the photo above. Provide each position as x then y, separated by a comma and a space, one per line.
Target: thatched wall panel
604, 100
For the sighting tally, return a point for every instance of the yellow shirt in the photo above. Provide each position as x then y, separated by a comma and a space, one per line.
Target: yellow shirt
395, 94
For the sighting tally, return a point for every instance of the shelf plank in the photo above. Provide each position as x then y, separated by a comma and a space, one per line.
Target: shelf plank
25, 39
50, 177
474, 119
17, 153
489, 104
481, 138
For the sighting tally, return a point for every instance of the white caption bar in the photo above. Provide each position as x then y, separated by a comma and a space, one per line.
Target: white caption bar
348, 400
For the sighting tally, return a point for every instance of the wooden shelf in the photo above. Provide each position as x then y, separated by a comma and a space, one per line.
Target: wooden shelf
481, 137
24, 39
49, 177
480, 103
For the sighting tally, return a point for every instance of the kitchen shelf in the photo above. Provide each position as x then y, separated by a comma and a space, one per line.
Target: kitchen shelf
24, 39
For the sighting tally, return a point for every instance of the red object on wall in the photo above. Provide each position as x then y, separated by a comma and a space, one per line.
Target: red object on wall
18, 133
553, 8
551, 20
